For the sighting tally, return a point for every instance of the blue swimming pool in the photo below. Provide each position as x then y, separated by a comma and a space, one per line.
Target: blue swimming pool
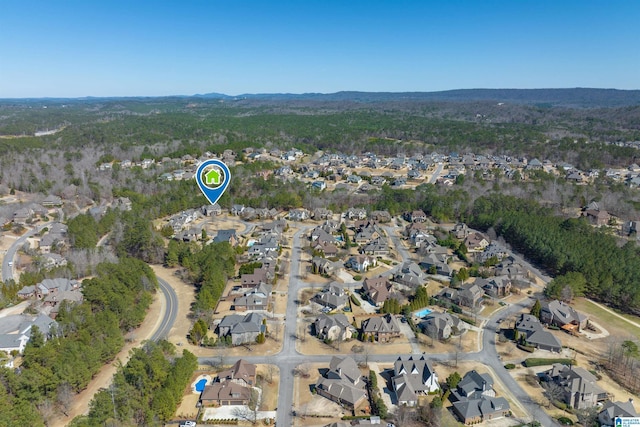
422, 313
200, 385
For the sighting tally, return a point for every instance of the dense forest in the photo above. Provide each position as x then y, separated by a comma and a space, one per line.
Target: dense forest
88, 336
146, 391
606, 271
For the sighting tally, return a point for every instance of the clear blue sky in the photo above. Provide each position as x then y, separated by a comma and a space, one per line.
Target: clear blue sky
73, 48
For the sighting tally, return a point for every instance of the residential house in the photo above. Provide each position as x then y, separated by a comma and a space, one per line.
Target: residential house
493, 251
268, 245
332, 296
299, 215
53, 261
361, 263
326, 249
413, 377
193, 234
629, 228
377, 290
183, 219
242, 373
460, 231
15, 331
442, 325
325, 266
578, 385
237, 209
534, 164
274, 228
474, 399
468, 295
535, 335
228, 236
437, 263
474, 411
377, 247
319, 185
354, 179
211, 210
48, 287
342, 383
249, 214
322, 214
410, 274
356, 213
225, 393
366, 234
22, 216
413, 174
50, 241
512, 269
473, 386
256, 298
497, 287
319, 234
52, 201
475, 242
381, 328
242, 329
611, 410
422, 239
381, 216
259, 276
597, 217
564, 316
334, 327
53, 301
416, 216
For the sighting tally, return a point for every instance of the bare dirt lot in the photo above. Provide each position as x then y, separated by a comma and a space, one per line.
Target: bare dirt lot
466, 343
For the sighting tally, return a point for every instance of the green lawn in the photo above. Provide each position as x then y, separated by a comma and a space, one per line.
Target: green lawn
606, 319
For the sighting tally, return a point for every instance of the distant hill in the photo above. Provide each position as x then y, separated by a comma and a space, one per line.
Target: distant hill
576, 97
573, 98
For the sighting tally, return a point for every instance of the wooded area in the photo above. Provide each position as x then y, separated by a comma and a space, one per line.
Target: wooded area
146, 391
88, 336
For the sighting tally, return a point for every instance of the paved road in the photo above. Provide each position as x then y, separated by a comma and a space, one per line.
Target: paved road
289, 358
489, 356
436, 174
170, 313
7, 270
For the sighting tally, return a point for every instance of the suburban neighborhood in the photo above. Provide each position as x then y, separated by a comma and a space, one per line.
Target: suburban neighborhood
348, 318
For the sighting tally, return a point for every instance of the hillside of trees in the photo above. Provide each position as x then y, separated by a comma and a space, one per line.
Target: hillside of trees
607, 272
146, 391
89, 335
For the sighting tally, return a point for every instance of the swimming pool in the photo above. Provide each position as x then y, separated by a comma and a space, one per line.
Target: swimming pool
422, 313
200, 385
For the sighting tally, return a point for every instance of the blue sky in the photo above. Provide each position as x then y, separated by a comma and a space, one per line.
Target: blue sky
72, 48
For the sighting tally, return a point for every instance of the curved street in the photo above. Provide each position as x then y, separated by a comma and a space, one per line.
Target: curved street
170, 312
289, 358
9, 258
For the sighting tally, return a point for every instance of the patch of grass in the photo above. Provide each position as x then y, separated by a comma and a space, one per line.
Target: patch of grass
535, 361
607, 319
